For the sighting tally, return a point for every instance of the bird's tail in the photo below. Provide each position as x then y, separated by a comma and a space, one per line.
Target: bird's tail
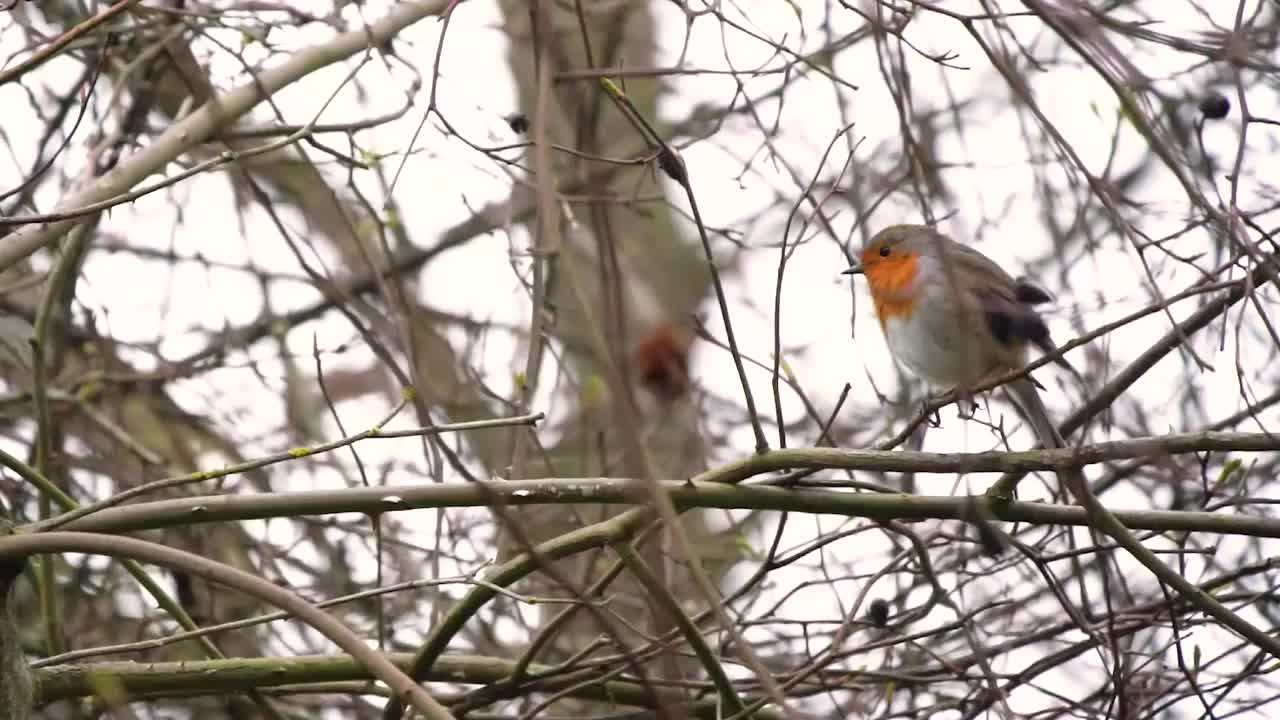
1024, 395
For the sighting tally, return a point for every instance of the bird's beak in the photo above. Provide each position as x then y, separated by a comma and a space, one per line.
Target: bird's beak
855, 270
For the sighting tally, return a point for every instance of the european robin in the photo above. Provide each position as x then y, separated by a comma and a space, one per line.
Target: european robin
954, 318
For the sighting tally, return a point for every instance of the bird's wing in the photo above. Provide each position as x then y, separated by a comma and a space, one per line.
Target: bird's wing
1012, 322
978, 270
1005, 303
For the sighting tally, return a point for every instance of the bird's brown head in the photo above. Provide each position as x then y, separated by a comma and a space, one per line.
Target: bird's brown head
890, 262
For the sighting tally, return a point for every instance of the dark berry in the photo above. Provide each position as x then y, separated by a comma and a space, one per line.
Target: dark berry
1215, 106
878, 612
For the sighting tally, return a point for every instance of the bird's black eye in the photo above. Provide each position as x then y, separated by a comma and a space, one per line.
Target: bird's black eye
884, 251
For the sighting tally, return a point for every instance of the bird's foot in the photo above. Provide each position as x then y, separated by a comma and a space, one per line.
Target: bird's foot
930, 414
966, 405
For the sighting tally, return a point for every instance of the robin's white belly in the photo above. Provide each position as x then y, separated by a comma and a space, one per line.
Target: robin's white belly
940, 346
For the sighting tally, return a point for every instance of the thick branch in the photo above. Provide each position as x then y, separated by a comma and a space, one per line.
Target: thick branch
17, 547
620, 491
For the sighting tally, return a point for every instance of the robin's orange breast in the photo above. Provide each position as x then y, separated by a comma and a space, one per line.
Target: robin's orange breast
891, 282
